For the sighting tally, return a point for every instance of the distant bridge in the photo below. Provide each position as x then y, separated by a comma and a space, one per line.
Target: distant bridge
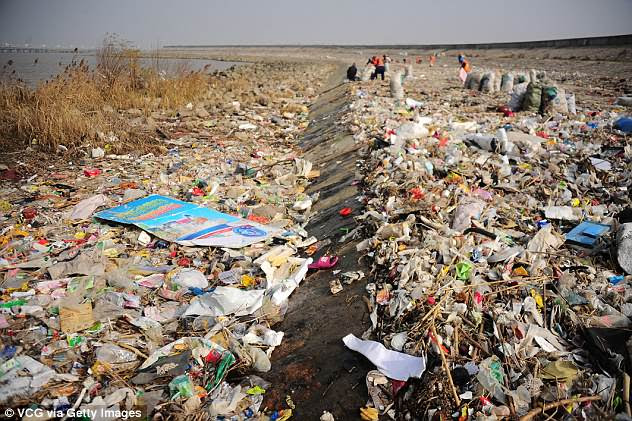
41, 50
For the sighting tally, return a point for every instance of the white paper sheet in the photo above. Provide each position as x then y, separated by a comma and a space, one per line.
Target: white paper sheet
393, 364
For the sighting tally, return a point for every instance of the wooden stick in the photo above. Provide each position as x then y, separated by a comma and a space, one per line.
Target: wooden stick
475, 343
510, 402
552, 405
131, 348
626, 393
455, 348
544, 301
444, 362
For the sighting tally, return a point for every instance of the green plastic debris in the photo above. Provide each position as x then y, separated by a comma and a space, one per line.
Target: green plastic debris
181, 387
463, 270
14, 303
227, 360
496, 370
74, 340
257, 390
95, 328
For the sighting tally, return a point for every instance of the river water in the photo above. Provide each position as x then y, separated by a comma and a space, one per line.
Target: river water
33, 68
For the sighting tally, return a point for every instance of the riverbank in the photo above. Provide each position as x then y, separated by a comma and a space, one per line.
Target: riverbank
286, 144
236, 150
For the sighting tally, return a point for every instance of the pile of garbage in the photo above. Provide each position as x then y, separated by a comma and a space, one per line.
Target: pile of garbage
501, 272
149, 285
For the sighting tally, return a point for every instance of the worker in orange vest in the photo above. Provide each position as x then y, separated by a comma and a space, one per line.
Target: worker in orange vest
378, 62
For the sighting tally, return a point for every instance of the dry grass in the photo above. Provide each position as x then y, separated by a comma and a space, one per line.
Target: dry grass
72, 108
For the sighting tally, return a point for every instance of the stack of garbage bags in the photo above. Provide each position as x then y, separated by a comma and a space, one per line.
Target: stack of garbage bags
529, 91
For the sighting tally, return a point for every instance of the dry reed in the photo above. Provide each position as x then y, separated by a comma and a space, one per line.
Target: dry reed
72, 108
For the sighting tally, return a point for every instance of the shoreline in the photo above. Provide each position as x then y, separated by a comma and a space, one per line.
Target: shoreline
340, 136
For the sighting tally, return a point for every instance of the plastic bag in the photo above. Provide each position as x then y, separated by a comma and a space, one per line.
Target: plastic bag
626, 101
532, 98
487, 82
414, 129
553, 100
113, 354
491, 376
366, 73
497, 81
408, 73
570, 100
474, 79
517, 96
533, 75
397, 91
507, 82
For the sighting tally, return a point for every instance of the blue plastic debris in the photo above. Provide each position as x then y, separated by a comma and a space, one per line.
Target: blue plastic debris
616, 279
586, 233
624, 124
196, 291
543, 223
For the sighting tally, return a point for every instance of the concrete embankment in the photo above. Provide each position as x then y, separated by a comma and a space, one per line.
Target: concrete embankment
312, 365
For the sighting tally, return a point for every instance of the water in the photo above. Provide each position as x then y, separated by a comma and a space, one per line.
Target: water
33, 68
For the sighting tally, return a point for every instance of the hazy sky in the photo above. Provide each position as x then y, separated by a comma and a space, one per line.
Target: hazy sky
160, 22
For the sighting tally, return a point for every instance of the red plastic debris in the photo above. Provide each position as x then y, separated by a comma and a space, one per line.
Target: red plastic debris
345, 211
29, 213
184, 261
397, 385
259, 219
91, 172
506, 111
197, 191
478, 298
417, 193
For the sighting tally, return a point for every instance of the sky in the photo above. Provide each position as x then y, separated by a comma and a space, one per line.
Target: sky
151, 23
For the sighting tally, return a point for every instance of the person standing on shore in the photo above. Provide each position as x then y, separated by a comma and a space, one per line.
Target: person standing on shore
371, 61
465, 68
465, 65
378, 62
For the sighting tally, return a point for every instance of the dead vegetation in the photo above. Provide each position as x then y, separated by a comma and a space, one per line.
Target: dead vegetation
71, 110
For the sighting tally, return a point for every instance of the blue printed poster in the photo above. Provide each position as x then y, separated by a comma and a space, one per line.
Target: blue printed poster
187, 223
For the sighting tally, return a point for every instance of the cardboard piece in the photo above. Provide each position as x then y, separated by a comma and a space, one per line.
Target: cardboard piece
74, 318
